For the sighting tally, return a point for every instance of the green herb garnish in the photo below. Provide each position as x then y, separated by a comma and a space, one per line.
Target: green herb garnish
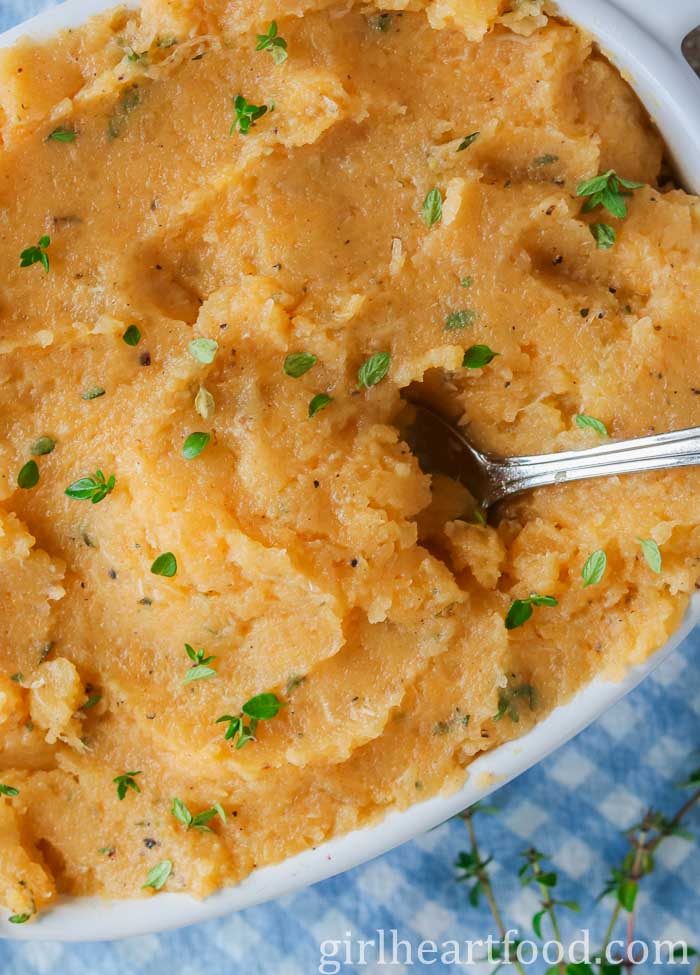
19, 918
158, 875
44, 445
92, 701
478, 356
62, 134
94, 392
259, 708
247, 115
604, 235
165, 565
374, 369
594, 568
125, 782
201, 670
8, 790
431, 211
132, 336
652, 553
272, 42
507, 697
467, 141
467, 282
195, 444
28, 476
591, 423
545, 160
36, 254
460, 319
521, 609
609, 191
94, 488
198, 822
204, 350
298, 363
319, 402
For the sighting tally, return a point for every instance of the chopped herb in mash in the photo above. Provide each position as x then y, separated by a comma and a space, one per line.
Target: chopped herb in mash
508, 697
609, 191
374, 369
19, 918
591, 423
62, 134
94, 488
603, 234
652, 553
247, 115
200, 820
467, 141
8, 790
44, 445
125, 782
36, 254
132, 336
93, 392
319, 402
28, 476
297, 363
157, 877
201, 669
272, 42
204, 350
478, 356
460, 319
380, 22
431, 211
594, 568
165, 565
521, 609
244, 725
195, 444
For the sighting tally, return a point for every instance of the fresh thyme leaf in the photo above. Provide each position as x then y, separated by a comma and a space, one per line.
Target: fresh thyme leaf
545, 160
204, 350
132, 336
28, 476
157, 877
507, 697
431, 211
604, 235
201, 669
478, 356
262, 707
652, 553
19, 918
297, 363
247, 115
460, 319
94, 488
36, 254
586, 422
62, 134
609, 191
92, 701
319, 402
44, 445
198, 821
594, 568
520, 610
94, 392
204, 403
125, 782
467, 282
374, 369
272, 42
195, 444
8, 790
467, 141
165, 565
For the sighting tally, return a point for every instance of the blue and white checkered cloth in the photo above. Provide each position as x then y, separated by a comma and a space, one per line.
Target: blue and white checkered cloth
574, 806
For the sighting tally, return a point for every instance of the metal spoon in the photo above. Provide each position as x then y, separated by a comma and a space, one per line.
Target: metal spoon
440, 447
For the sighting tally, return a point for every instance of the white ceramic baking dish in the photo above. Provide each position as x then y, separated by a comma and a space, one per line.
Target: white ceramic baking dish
644, 38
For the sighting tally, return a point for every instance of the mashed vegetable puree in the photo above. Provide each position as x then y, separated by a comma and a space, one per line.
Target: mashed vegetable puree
236, 617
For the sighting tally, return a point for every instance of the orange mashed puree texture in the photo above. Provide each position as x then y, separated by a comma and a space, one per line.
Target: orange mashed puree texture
315, 560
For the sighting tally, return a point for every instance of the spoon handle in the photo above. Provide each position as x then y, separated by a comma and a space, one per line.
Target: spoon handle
664, 451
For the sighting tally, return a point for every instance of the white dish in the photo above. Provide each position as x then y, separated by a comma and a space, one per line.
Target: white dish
643, 38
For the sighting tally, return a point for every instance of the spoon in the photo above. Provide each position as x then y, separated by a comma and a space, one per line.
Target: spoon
439, 446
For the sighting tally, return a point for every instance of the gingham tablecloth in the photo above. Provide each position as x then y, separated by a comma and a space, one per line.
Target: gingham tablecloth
574, 806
